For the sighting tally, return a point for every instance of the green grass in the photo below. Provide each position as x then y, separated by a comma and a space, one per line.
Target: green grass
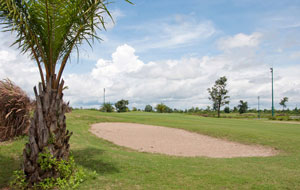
112, 167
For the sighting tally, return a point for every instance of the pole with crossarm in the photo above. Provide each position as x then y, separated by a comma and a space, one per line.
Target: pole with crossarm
272, 92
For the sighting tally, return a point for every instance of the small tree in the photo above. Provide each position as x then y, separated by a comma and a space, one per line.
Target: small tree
148, 108
107, 107
161, 108
218, 94
283, 102
235, 109
243, 107
208, 109
121, 105
134, 109
168, 110
227, 109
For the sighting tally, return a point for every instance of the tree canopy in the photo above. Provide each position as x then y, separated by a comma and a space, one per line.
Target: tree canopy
218, 94
243, 107
283, 102
121, 105
148, 108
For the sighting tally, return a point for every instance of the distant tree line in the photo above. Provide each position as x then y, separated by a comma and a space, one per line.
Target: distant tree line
241, 108
218, 96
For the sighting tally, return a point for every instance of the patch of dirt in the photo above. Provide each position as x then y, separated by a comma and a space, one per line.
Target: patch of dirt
177, 142
5, 143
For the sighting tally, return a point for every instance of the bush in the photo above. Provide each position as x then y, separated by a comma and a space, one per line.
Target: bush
69, 108
107, 107
227, 110
70, 176
121, 105
162, 108
14, 110
148, 108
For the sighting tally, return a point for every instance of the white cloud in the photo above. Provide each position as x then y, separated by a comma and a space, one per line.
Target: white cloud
240, 40
179, 83
15, 66
178, 31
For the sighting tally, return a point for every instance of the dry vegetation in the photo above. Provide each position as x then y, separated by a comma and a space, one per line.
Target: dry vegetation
14, 110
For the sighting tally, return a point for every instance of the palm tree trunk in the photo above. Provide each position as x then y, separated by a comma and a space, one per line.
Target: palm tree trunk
47, 131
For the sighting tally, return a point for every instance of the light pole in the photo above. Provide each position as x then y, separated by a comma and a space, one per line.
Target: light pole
104, 97
258, 111
272, 92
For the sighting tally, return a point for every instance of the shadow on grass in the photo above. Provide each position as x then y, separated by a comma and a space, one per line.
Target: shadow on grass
90, 158
7, 166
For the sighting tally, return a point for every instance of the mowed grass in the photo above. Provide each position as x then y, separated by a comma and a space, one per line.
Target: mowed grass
112, 167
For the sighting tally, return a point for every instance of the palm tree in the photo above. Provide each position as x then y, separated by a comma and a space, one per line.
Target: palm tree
283, 102
49, 30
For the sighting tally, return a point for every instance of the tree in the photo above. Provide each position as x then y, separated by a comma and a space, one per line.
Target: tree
134, 109
161, 108
218, 94
227, 109
49, 30
148, 108
208, 109
121, 105
168, 110
283, 102
235, 109
243, 107
107, 107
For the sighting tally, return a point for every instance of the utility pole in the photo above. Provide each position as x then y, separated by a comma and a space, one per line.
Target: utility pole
272, 92
258, 111
104, 97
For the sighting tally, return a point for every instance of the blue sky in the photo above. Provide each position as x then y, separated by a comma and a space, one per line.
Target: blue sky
172, 51
140, 24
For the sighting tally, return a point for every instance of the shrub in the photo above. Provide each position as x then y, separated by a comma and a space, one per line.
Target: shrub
107, 107
148, 108
243, 107
14, 110
121, 105
68, 107
70, 176
227, 110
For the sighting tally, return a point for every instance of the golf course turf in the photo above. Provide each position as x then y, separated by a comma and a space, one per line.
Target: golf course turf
109, 166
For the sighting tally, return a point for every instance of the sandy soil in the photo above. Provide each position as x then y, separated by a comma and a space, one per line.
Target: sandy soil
178, 142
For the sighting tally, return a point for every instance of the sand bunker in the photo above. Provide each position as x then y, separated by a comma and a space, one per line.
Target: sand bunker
178, 142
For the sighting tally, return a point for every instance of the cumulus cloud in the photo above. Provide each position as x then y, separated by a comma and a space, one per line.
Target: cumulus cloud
17, 67
179, 83
240, 40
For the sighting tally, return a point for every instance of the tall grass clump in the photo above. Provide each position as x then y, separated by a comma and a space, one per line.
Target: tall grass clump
14, 110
